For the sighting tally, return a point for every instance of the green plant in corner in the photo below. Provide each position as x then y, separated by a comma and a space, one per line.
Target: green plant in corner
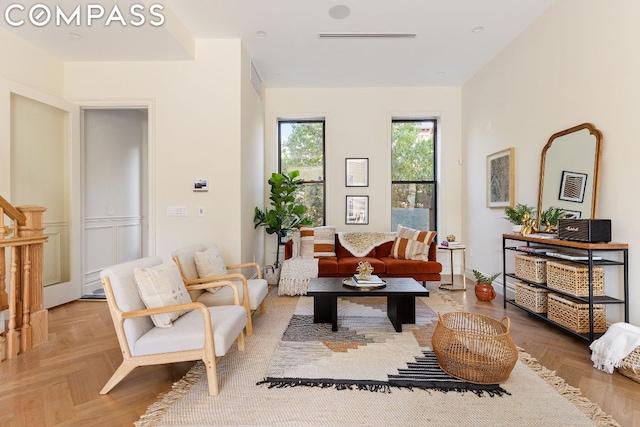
481, 278
286, 212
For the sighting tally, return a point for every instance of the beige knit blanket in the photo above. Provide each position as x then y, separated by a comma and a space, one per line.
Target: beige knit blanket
361, 243
296, 274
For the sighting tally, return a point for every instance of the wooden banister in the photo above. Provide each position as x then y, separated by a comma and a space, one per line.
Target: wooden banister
27, 316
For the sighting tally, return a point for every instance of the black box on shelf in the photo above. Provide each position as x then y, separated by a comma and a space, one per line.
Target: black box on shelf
585, 230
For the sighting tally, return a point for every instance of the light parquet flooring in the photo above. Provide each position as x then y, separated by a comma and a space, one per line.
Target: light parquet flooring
57, 384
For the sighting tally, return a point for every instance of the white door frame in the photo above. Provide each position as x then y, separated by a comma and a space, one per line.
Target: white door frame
123, 104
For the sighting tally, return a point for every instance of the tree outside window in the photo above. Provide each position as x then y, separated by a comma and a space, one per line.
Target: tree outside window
301, 148
413, 171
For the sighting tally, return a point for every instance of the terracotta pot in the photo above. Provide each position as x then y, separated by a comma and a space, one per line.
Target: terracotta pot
485, 291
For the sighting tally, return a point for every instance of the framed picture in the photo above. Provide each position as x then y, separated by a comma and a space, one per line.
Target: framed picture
571, 214
357, 210
572, 186
357, 172
500, 179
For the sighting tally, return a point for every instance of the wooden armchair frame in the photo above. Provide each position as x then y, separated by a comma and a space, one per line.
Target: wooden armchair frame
207, 354
213, 281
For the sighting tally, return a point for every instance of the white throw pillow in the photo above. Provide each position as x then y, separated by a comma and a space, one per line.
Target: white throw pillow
161, 286
209, 264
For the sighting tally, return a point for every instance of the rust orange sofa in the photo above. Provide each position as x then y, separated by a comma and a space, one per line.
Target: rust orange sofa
344, 263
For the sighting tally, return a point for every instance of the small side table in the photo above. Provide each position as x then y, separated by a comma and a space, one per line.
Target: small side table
452, 286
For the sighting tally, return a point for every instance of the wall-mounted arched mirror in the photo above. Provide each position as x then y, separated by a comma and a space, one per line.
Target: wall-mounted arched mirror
570, 172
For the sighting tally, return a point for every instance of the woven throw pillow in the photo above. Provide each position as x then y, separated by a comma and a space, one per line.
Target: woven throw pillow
161, 286
306, 242
209, 263
324, 242
412, 244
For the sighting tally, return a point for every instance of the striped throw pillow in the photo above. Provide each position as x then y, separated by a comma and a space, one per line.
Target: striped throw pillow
324, 242
306, 242
412, 244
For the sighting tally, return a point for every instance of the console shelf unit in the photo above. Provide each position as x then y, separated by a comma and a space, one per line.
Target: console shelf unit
590, 250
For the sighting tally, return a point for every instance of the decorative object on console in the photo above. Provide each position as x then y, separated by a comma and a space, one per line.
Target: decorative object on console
484, 286
549, 219
451, 237
585, 230
500, 179
520, 216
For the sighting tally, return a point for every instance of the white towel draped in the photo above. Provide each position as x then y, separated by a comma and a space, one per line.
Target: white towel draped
617, 343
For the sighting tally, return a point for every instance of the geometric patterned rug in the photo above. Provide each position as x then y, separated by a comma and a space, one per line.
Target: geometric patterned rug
365, 353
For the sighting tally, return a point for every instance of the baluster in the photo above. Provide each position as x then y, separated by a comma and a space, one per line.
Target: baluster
25, 331
12, 334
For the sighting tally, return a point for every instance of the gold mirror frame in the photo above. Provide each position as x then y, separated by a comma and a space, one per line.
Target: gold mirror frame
571, 150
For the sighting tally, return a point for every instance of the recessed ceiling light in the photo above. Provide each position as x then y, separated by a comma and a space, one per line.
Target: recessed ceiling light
478, 29
261, 33
339, 11
75, 35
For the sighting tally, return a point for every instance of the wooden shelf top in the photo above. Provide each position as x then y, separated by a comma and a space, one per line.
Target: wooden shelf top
566, 243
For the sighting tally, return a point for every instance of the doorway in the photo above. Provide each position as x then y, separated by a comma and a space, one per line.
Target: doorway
116, 190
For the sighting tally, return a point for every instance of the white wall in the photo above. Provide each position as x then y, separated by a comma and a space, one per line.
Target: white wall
196, 135
358, 124
575, 64
252, 166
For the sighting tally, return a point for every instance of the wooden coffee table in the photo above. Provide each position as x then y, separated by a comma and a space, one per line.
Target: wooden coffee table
401, 296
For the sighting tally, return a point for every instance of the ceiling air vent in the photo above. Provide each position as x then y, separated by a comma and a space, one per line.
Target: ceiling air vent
366, 35
255, 80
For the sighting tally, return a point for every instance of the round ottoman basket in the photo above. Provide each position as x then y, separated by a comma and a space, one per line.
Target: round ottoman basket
474, 347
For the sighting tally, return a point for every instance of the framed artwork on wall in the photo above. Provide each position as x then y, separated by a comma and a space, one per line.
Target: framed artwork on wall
357, 210
357, 172
501, 179
572, 186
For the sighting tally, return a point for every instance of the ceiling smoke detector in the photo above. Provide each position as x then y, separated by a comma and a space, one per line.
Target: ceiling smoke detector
339, 11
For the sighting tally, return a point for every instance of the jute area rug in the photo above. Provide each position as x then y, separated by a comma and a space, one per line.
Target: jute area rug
532, 396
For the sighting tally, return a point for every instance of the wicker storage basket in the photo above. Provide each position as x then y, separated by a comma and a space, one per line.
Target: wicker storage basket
474, 347
574, 278
630, 364
575, 314
531, 268
532, 297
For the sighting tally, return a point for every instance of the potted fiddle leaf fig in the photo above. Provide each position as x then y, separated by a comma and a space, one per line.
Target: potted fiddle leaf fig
286, 212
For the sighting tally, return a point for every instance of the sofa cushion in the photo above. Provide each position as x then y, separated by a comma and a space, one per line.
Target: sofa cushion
348, 266
209, 263
412, 244
327, 266
162, 286
323, 240
403, 267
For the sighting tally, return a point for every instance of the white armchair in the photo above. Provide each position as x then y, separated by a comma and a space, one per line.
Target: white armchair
202, 333
256, 289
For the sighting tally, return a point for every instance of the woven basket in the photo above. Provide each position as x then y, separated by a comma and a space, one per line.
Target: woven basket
575, 315
630, 364
533, 269
574, 278
532, 297
474, 347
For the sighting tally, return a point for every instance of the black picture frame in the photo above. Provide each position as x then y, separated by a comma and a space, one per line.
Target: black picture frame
356, 172
357, 210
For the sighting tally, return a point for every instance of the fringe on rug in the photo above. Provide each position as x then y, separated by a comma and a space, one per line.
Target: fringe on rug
156, 411
375, 386
572, 394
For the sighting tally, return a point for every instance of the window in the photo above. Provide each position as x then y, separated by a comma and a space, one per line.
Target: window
413, 174
301, 147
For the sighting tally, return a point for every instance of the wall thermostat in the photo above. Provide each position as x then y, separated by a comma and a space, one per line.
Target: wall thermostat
200, 185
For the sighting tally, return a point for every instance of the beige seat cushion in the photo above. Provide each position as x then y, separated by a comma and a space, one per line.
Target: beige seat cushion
162, 286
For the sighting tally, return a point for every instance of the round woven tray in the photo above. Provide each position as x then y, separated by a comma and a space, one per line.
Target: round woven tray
474, 347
